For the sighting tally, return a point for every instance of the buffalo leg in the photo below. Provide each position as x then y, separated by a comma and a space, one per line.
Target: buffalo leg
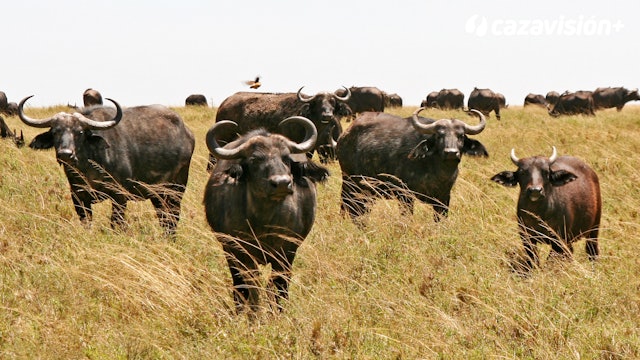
353, 201
82, 205
281, 268
244, 277
168, 209
441, 209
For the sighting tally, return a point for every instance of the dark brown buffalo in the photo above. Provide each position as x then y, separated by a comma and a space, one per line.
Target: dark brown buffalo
260, 201
366, 98
449, 99
604, 98
5, 132
196, 100
535, 99
12, 109
4, 104
431, 101
405, 158
502, 101
579, 102
392, 100
91, 97
137, 153
552, 98
253, 110
485, 101
559, 203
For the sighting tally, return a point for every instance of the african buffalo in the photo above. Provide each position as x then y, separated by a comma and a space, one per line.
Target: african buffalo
385, 155
484, 100
604, 98
392, 100
552, 98
137, 153
535, 99
3, 102
431, 101
449, 99
196, 100
91, 97
5, 132
367, 98
260, 201
253, 110
579, 102
502, 101
559, 203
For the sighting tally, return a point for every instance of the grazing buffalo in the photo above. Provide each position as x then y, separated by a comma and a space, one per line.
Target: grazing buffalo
137, 153
579, 102
535, 99
485, 101
448, 99
5, 132
604, 98
502, 101
12, 109
405, 158
260, 201
91, 97
559, 203
392, 100
431, 101
552, 98
265, 110
367, 98
196, 100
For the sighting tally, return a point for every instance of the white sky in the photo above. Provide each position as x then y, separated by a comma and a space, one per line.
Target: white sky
142, 52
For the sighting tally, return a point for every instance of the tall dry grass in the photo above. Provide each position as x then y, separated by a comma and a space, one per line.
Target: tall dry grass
400, 287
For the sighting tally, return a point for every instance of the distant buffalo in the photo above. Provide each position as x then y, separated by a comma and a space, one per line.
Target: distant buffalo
579, 102
559, 203
6, 133
552, 98
392, 100
485, 101
91, 97
119, 155
604, 98
446, 99
366, 98
535, 99
260, 201
404, 158
196, 100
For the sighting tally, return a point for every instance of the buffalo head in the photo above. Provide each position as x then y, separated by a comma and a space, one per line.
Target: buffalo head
69, 134
325, 106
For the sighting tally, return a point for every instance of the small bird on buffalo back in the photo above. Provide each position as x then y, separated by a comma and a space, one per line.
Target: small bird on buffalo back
254, 84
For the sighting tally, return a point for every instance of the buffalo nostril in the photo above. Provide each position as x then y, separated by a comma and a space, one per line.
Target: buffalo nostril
65, 154
281, 183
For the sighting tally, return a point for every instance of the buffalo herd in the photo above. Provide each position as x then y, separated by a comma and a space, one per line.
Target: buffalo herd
261, 198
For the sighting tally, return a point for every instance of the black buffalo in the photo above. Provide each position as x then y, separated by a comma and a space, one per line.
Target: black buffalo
405, 158
5, 132
447, 99
552, 98
485, 101
365, 98
431, 100
260, 201
535, 99
196, 100
573, 103
604, 98
392, 100
91, 97
253, 110
4, 104
120, 155
559, 203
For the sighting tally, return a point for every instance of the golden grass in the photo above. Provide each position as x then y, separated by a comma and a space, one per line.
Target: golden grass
398, 288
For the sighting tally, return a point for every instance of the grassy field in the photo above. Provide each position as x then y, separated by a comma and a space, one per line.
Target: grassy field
399, 288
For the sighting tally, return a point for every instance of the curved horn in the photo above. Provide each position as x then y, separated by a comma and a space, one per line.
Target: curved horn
343, 98
310, 134
554, 156
215, 148
302, 99
29, 121
476, 129
514, 158
422, 128
102, 125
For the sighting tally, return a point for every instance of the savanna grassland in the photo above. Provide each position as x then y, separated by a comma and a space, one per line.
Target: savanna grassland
398, 288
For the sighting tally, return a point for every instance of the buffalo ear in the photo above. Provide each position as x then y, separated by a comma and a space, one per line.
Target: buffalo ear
506, 178
42, 141
304, 110
235, 171
97, 142
344, 109
473, 147
309, 169
561, 177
